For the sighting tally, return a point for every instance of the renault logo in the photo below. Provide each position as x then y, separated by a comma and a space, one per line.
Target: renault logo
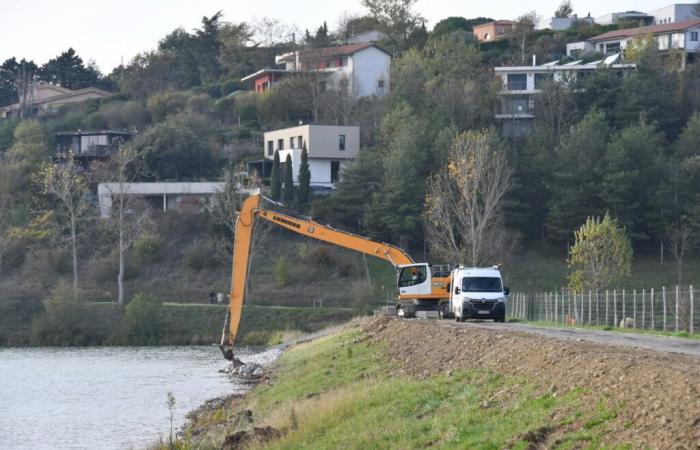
483, 300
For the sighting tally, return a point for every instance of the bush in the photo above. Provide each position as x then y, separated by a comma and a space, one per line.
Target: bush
163, 105
200, 104
230, 86
282, 272
142, 323
13, 255
64, 321
147, 249
327, 257
200, 257
62, 262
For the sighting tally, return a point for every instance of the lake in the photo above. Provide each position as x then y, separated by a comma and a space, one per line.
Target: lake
104, 397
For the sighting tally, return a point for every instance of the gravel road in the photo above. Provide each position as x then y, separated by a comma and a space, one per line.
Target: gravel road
664, 344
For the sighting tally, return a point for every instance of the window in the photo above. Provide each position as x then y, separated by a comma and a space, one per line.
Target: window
542, 78
301, 142
380, 84
280, 144
481, 284
291, 142
335, 171
694, 36
517, 82
613, 47
270, 149
411, 276
341, 142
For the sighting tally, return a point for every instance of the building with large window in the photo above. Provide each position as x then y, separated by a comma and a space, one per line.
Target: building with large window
330, 149
522, 84
45, 98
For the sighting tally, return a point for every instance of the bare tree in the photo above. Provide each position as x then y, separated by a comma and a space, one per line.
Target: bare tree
128, 215
522, 30
337, 104
66, 183
25, 86
464, 204
681, 240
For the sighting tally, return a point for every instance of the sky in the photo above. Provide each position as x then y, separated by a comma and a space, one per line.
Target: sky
105, 31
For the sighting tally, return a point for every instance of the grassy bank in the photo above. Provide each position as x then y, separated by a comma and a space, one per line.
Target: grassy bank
88, 323
340, 392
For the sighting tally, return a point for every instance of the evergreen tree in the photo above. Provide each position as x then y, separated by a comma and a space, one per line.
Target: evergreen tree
69, 71
276, 179
288, 189
304, 178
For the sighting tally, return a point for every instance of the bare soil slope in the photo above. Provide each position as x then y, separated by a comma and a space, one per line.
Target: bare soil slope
654, 397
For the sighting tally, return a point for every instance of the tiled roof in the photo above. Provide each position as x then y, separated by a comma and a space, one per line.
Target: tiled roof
652, 29
329, 52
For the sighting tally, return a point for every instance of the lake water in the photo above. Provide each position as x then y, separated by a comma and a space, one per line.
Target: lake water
104, 397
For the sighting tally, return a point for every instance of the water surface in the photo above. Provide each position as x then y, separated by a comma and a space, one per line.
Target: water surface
104, 397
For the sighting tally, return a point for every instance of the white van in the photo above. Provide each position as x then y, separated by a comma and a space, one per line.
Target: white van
478, 293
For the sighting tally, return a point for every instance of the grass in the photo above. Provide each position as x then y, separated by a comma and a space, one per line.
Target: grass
549, 324
338, 392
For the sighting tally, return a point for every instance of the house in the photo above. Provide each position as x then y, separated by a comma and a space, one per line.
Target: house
44, 98
682, 36
576, 49
625, 16
92, 145
522, 84
363, 67
330, 149
678, 12
492, 31
564, 23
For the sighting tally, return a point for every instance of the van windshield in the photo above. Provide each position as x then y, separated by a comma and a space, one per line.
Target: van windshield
481, 284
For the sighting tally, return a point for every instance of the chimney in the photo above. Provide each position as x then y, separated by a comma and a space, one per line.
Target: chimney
534, 60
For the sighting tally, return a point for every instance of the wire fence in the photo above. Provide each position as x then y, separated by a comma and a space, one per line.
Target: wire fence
665, 309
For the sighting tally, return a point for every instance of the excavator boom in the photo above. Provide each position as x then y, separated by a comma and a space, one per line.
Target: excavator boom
250, 210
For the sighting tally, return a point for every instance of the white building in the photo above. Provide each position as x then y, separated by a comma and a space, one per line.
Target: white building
576, 49
564, 23
678, 12
362, 67
683, 36
330, 149
522, 84
632, 16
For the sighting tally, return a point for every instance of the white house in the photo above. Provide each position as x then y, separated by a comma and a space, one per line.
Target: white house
683, 36
330, 149
677, 12
522, 84
363, 67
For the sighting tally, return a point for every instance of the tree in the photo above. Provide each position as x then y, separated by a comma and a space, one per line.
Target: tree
601, 255
69, 71
276, 178
304, 188
452, 24
522, 30
66, 183
129, 216
396, 17
208, 47
288, 188
564, 10
464, 203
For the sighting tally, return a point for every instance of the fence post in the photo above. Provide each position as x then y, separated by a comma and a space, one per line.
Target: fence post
556, 307
607, 308
634, 307
677, 293
624, 315
644, 303
690, 328
590, 301
652, 309
663, 296
615, 322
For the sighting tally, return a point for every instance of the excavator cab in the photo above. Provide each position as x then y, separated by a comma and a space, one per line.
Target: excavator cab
414, 279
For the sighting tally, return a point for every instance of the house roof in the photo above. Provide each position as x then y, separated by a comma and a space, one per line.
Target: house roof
652, 29
67, 94
262, 72
329, 52
495, 22
95, 132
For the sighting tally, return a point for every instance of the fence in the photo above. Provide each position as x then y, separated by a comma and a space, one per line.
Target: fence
653, 309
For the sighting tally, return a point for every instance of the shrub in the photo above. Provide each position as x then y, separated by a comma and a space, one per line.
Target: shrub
163, 105
281, 272
230, 86
13, 255
142, 323
61, 261
326, 257
62, 322
147, 249
200, 257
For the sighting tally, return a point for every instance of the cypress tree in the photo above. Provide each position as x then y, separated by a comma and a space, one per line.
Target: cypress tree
288, 190
304, 178
276, 179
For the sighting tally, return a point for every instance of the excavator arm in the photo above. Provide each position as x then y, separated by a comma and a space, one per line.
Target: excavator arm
250, 211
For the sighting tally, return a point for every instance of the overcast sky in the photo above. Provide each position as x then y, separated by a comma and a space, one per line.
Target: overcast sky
107, 30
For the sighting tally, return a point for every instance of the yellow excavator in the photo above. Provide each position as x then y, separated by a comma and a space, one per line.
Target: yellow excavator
421, 288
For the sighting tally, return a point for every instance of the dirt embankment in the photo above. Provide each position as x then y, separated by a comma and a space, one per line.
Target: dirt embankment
655, 397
